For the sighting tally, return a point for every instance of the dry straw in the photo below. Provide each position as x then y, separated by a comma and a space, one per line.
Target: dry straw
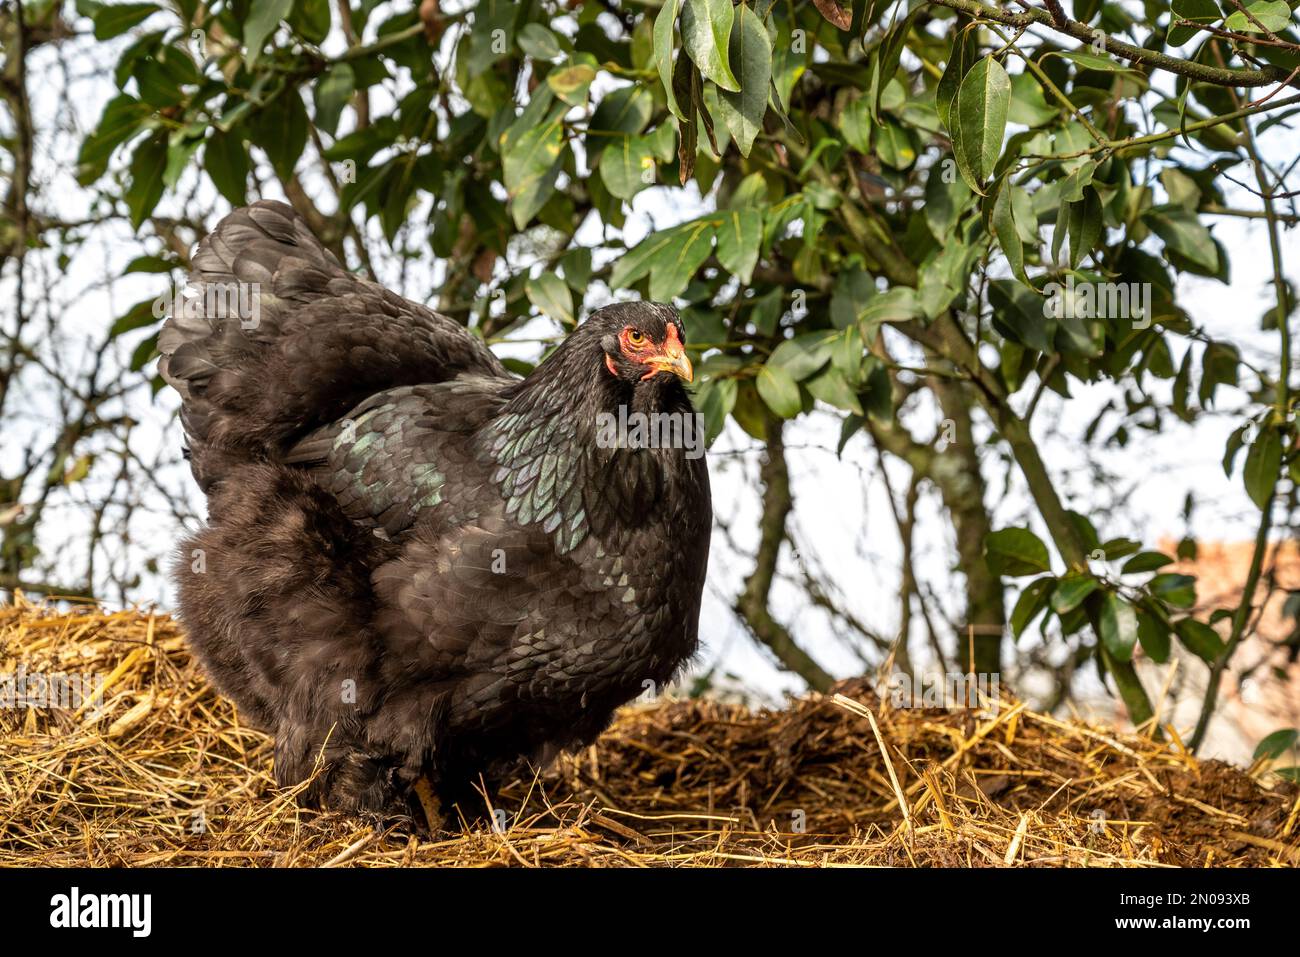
163, 772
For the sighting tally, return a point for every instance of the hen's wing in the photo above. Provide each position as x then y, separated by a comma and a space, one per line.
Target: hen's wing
405, 450
278, 339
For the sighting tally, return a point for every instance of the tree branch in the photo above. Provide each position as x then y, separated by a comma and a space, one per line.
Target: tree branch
1219, 76
752, 603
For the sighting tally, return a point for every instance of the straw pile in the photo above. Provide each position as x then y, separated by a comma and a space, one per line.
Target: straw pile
166, 774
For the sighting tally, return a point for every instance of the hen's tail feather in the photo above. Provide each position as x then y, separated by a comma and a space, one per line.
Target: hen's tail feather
276, 338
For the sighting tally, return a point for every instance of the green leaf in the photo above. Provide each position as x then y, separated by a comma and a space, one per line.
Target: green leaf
1086, 10
739, 236
1263, 464
751, 412
1084, 528
263, 17
311, 20
1145, 562
572, 83
766, 311
706, 35
1074, 183
551, 294
894, 145
715, 399
149, 264
946, 197
1071, 590
123, 117
788, 65
1185, 234
1004, 227
850, 427
1200, 639
143, 353
539, 42
675, 266
851, 295
332, 93
147, 165
1176, 590
1084, 226
751, 54
1153, 634
855, 124
898, 304
663, 40
576, 264
637, 261
1031, 603
484, 47
705, 99
884, 61
833, 388
663, 141
848, 354
159, 78
779, 391
137, 317
803, 355
1118, 626
1276, 744
1028, 105
180, 150
965, 48
1090, 61
530, 161
1117, 548
1018, 314
625, 110
113, 20
1271, 15
234, 113
281, 130
1197, 11
1015, 552
627, 166
1219, 366
981, 107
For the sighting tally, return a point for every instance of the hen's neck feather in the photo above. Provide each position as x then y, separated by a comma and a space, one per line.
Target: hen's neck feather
549, 465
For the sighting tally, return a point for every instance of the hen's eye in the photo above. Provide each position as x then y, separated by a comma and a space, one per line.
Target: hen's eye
636, 337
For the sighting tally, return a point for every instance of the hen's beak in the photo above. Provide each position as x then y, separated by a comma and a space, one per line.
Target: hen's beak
674, 360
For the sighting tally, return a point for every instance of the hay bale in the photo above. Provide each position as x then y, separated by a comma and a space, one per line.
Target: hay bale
161, 771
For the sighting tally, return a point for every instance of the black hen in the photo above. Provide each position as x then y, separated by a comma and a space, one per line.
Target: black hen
417, 564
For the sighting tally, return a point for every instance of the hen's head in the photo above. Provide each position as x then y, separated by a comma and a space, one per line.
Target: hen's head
640, 341
627, 353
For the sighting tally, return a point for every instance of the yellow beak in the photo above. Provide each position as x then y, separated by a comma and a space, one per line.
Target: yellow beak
675, 362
